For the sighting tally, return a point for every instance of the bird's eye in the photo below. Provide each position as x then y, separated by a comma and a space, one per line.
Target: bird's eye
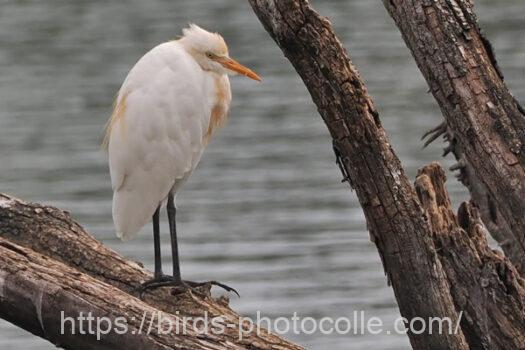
209, 54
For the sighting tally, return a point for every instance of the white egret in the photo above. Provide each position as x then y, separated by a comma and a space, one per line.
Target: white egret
170, 104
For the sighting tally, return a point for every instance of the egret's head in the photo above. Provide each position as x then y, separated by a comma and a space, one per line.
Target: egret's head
211, 52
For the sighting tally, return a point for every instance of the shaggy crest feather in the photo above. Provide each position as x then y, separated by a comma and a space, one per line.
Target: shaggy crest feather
202, 40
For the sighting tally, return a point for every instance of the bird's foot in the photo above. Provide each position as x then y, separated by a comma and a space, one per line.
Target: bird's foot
156, 282
190, 285
180, 286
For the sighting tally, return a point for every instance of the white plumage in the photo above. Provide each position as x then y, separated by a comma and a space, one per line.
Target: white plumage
170, 103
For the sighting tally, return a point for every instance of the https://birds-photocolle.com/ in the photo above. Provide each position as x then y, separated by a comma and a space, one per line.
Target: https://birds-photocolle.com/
169, 106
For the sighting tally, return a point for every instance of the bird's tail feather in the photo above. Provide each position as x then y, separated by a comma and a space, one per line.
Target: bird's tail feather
131, 213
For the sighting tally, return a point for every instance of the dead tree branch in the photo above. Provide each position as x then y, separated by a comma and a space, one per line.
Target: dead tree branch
485, 286
435, 266
46, 297
48, 263
394, 217
486, 124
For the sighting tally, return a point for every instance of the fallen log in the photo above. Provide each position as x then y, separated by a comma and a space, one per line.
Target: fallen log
64, 265
46, 298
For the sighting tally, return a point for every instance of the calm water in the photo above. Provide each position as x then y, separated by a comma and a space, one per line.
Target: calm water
265, 210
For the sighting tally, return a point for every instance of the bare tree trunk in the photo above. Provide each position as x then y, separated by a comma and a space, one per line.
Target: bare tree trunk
437, 267
48, 263
394, 217
486, 125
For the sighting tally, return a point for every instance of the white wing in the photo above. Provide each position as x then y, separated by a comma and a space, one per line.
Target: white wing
156, 133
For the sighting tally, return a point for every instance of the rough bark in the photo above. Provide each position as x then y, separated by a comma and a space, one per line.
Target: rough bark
485, 286
486, 124
39, 294
395, 219
48, 263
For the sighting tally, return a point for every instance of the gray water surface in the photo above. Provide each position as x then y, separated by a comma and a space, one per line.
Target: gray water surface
265, 211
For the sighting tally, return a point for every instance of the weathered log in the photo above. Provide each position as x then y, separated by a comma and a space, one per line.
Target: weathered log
485, 286
47, 297
394, 216
485, 122
65, 245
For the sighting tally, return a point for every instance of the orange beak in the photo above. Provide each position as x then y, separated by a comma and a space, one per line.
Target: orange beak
235, 66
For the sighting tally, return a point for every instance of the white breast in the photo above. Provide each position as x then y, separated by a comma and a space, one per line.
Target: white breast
157, 132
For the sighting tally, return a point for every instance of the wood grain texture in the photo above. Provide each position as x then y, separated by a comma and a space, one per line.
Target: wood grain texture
485, 121
39, 293
54, 251
410, 231
485, 285
394, 216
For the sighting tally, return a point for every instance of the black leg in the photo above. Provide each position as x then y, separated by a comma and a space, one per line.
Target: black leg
172, 211
158, 277
156, 243
161, 280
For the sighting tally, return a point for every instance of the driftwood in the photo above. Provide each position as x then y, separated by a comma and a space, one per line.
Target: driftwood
485, 124
48, 263
439, 265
